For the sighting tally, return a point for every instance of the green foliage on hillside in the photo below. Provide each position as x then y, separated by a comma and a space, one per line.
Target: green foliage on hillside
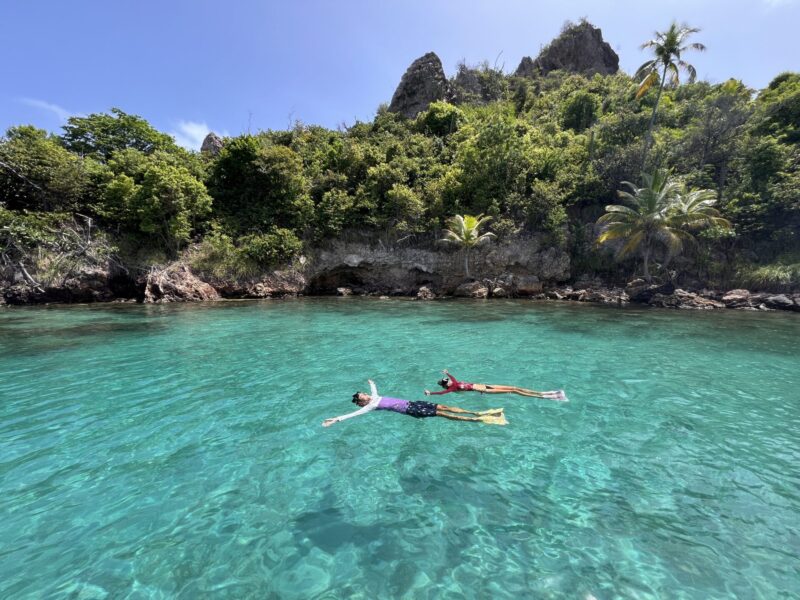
540, 156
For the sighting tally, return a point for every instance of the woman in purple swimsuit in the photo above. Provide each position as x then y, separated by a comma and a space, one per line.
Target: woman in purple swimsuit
420, 409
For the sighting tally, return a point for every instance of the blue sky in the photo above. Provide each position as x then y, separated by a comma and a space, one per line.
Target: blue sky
193, 65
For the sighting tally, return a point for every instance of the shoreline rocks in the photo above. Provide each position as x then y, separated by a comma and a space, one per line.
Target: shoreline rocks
371, 275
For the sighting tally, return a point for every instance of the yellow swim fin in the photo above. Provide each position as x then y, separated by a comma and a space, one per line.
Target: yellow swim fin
491, 411
499, 419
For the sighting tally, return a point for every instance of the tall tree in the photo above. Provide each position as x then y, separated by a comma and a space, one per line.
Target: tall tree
667, 46
464, 231
102, 134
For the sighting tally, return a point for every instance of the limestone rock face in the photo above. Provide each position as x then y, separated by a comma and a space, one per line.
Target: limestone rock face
579, 49
424, 82
212, 144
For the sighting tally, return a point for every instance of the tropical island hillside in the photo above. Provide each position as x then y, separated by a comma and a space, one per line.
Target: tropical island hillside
566, 179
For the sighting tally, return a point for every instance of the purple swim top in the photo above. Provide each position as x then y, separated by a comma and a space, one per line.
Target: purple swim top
395, 404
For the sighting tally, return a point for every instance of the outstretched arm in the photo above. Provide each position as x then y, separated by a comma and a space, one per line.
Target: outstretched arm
373, 404
450, 377
361, 411
429, 393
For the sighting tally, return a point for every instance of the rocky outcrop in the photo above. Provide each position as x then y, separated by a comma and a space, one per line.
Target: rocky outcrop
686, 300
424, 82
639, 290
212, 144
527, 68
277, 284
425, 293
667, 296
600, 295
737, 298
579, 49
176, 283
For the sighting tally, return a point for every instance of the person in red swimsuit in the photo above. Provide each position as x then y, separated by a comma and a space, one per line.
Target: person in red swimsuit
451, 384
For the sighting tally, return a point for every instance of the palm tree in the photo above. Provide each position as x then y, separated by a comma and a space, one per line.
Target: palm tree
464, 231
667, 47
661, 212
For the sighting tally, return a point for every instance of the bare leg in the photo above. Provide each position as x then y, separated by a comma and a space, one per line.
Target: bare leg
510, 389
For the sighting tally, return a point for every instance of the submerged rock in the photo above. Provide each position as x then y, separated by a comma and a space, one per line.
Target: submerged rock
422, 83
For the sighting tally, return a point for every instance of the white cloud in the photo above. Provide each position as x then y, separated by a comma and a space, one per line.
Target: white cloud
777, 3
190, 134
60, 112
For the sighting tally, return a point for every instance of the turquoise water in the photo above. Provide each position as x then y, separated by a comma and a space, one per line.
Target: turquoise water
177, 452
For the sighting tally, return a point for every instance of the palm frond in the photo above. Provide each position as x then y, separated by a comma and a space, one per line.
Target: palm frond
646, 84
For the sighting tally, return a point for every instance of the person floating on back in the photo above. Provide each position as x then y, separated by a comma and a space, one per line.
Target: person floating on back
419, 409
451, 384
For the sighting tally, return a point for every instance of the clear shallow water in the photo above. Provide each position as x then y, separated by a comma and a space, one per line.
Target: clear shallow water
177, 452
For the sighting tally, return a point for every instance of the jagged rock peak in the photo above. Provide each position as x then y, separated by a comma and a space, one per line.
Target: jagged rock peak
424, 82
212, 144
527, 68
579, 49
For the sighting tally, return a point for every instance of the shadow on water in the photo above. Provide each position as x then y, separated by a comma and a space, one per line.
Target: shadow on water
36, 339
328, 529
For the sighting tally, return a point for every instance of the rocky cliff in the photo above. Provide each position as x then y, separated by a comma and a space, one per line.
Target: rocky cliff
579, 49
402, 270
212, 144
424, 82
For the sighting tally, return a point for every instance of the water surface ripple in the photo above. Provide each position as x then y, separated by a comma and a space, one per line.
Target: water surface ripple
176, 452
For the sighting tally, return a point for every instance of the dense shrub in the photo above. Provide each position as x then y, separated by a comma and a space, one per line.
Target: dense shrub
276, 247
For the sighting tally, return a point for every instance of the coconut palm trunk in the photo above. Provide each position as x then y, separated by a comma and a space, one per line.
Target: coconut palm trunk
649, 138
668, 46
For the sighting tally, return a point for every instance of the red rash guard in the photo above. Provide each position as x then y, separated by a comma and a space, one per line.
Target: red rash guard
454, 386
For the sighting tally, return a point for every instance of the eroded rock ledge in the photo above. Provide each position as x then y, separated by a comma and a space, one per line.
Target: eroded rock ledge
525, 269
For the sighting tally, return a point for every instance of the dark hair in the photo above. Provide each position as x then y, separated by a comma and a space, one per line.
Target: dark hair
445, 383
355, 396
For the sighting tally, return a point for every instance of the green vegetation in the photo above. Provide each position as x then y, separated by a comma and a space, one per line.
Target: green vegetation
539, 156
662, 212
464, 231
